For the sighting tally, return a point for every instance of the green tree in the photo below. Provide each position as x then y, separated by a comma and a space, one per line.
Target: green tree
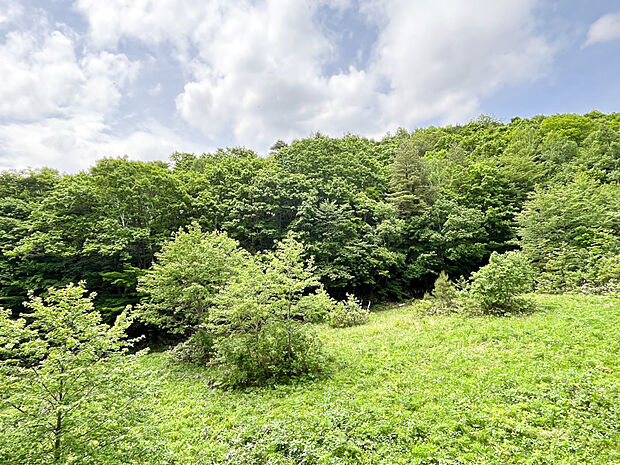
569, 230
112, 218
570, 126
445, 294
497, 288
410, 183
68, 385
258, 322
601, 154
357, 160
447, 237
20, 193
188, 272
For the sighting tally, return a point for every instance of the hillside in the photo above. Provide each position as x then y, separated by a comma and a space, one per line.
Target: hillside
412, 389
382, 218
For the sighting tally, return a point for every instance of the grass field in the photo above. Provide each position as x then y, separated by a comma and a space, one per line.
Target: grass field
412, 389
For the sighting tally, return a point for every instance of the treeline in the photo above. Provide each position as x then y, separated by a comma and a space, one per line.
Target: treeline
382, 218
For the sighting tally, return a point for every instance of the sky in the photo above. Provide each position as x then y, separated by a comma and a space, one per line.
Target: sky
84, 79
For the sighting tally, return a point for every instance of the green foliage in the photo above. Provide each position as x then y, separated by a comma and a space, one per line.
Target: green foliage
571, 231
411, 187
497, 288
275, 352
189, 271
446, 237
421, 389
197, 349
20, 193
601, 154
571, 126
323, 159
316, 307
68, 391
352, 242
381, 218
445, 295
348, 313
113, 217
258, 322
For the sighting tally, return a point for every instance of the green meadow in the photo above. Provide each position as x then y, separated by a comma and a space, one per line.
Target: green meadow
409, 388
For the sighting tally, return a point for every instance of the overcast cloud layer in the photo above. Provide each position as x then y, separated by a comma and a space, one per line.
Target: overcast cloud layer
91, 79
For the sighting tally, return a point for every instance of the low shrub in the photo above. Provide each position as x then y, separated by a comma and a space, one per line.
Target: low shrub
198, 349
497, 288
316, 307
278, 352
444, 297
348, 313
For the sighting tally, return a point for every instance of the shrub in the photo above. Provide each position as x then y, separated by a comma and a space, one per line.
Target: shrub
277, 352
258, 320
497, 287
316, 307
198, 349
348, 313
604, 276
444, 296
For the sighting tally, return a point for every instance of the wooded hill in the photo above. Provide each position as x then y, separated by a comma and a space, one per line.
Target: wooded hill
381, 218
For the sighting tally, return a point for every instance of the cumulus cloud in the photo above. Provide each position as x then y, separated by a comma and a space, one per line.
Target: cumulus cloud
441, 58
47, 78
56, 99
73, 144
9, 12
259, 73
604, 29
256, 68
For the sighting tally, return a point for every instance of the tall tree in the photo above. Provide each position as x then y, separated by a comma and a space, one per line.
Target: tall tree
411, 188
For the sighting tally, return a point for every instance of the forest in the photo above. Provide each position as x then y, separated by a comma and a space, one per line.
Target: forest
237, 290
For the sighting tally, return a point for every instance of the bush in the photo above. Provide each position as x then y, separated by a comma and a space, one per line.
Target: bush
198, 349
348, 313
444, 296
190, 270
258, 319
279, 351
497, 287
316, 307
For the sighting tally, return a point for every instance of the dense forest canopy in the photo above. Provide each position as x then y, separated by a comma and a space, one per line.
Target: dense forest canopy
381, 218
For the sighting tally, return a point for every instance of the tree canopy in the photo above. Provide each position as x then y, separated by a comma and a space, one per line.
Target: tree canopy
381, 218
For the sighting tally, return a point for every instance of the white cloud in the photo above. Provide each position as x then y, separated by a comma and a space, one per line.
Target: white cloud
105, 75
604, 29
441, 58
9, 12
47, 79
73, 144
254, 71
256, 68
259, 72
56, 99
151, 21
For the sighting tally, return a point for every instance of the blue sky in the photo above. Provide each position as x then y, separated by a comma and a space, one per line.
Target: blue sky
83, 79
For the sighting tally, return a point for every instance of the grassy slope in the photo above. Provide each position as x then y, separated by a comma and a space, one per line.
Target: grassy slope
407, 388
